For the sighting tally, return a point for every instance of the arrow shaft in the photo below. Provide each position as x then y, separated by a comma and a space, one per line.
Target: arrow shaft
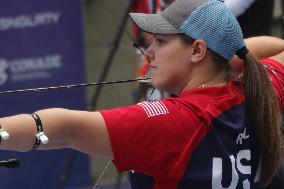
72, 86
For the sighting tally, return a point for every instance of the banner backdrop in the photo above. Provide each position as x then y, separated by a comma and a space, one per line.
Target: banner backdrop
41, 44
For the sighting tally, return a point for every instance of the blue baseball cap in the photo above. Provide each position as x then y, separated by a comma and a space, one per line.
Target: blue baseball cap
209, 20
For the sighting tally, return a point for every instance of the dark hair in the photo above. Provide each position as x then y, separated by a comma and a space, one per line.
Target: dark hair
263, 109
264, 112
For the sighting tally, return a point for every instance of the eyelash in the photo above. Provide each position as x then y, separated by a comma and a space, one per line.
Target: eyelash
159, 41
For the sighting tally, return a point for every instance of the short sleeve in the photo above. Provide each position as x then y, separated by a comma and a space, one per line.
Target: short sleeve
147, 137
276, 73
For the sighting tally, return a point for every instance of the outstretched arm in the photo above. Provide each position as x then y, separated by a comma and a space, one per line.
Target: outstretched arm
80, 130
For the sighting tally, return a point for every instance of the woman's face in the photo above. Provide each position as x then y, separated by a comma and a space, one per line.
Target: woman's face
170, 63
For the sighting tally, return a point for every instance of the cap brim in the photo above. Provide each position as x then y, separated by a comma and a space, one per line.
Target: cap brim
153, 23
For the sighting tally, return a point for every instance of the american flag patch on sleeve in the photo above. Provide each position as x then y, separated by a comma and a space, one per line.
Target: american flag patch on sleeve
154, 108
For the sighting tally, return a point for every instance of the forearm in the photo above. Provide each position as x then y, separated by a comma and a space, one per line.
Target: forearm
265, 46
22, 130
80, 130
260, 47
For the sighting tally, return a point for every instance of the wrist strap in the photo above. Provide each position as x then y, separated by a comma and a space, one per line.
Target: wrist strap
40, 137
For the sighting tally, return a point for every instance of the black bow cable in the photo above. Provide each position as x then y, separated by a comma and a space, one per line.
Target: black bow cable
73, 86
134, 42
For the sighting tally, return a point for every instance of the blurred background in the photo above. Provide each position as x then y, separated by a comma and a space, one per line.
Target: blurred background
65, 42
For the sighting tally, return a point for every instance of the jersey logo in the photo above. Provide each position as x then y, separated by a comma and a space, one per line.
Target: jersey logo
241, 169
154, 108
241, 137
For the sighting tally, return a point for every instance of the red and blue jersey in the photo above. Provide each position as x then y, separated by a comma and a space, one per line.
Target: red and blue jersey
202, 139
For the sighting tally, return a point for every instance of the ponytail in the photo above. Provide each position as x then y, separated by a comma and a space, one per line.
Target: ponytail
264, 113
